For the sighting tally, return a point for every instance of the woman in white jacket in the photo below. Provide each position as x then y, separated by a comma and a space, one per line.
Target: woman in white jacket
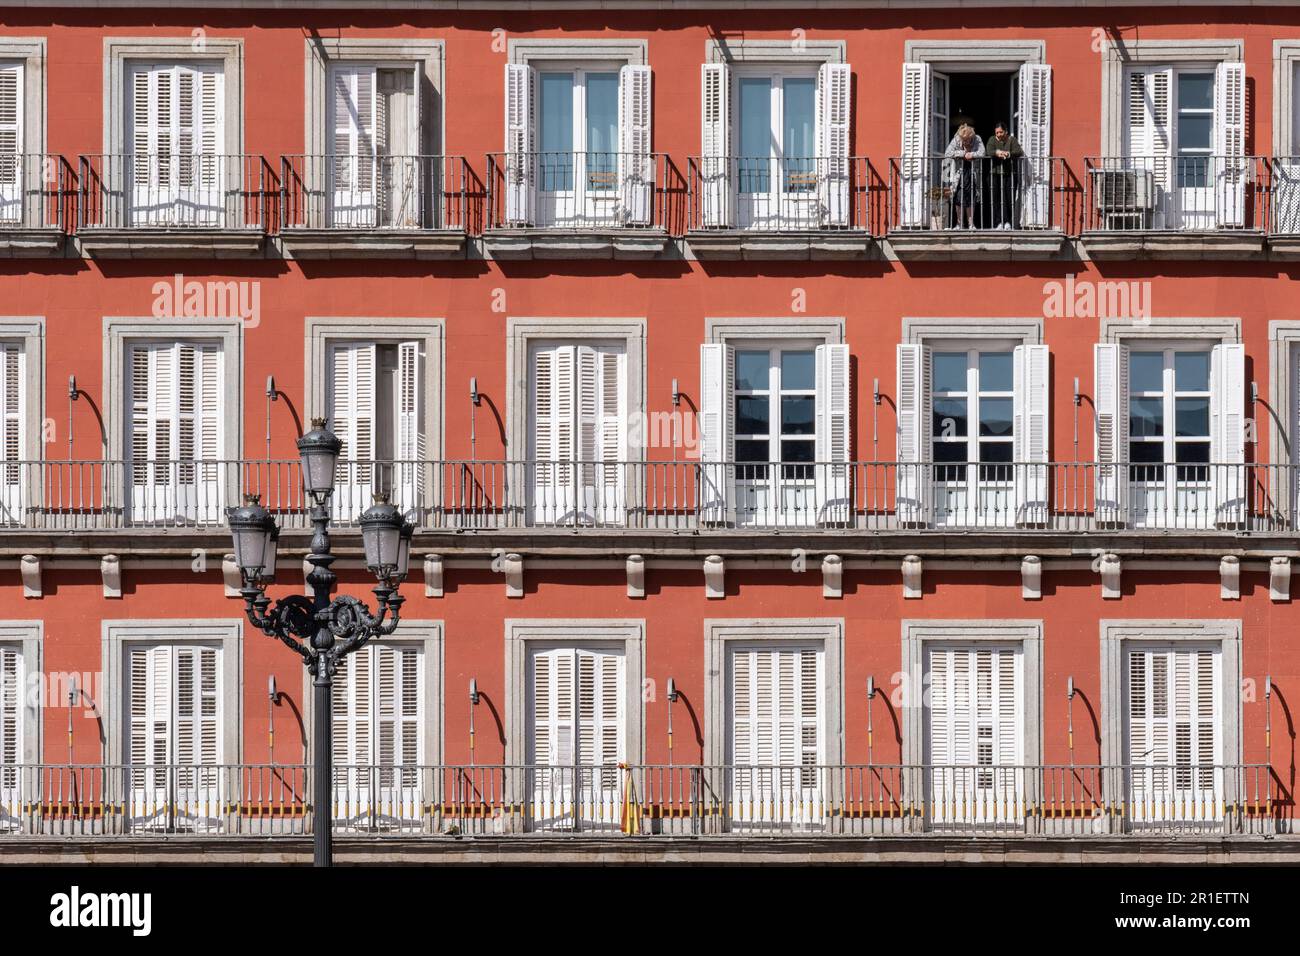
961, 174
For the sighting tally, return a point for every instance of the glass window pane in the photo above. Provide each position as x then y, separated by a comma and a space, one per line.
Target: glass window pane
996, 372
555, 167
950, 458
750, 450
1146, 371
755, 116
602, 128
949, 371
996, 451
950, 451
1192, 451
1192, 417
797, 413
798, 371
752, 415
1196, 91
995, 417
1194, 133
1146, 451
1146, 417
753, 369
949, 418
797, 450
1192, 371
799, 105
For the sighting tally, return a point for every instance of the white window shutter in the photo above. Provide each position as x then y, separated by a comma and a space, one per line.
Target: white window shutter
916, 147
351, 400
601, 430
1231, 171
716, 423
396, 706
521, 135
834, 122
833, 470
1110, 416
13, 427
913, 404
411, 447
1030, 435
353, 140
12, 717
196, 706
11, 143
1151, 98
776, 705
637, 168
1228, 432
1035, 136
715, 145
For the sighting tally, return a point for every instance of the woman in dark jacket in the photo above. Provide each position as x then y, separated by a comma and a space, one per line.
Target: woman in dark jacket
1004, 175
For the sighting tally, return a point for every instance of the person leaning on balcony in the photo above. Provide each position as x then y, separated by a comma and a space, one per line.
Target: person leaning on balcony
961, 172
1004, 169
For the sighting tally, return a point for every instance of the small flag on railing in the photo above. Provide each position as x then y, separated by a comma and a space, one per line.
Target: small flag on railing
631, 808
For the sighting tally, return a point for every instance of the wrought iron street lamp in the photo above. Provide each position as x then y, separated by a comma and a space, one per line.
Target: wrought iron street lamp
320, 630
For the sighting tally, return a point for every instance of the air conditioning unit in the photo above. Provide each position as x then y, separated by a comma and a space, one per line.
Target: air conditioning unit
1124, 190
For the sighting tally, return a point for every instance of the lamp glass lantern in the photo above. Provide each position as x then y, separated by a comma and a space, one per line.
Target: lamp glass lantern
381, 537
254, 533
319, 449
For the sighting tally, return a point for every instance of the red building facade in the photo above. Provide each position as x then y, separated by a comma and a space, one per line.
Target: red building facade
719, 395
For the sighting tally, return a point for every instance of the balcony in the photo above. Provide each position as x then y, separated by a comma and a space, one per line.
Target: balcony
789, 209
958, 209
1175, 207
34, 198
172, 205
1284, 207
629, 801
368, 207
567, 205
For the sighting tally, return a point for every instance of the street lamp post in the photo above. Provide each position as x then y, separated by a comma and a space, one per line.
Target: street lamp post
321, 631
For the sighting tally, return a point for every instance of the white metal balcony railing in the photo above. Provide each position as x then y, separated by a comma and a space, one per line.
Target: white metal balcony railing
578, 190
32, 190
1067, 497
376, 192
938, 193
1176, 193
789, 194
172, 190
645, 800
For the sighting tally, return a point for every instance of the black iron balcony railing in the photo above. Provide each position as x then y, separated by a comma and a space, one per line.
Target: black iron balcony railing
34, 191
768, 194
672, 496
579, 190
1183, 193
225, 800
377, 192
1284, 195
938, 193
173, 190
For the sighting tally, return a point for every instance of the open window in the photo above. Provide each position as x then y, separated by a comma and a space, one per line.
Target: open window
986, 191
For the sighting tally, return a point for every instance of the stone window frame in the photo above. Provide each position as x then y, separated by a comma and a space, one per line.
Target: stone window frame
120, 331
119, 51
1114, 632
626, 633
633, 52
1122, 331
521, 332
829, 329
429, 635
736, 51
927, 330
916, 633
951, 55
1286, 89
322, 331
321, 52
720, 633
1118, 55
33, 695
116, 636
1283, 389
32, 52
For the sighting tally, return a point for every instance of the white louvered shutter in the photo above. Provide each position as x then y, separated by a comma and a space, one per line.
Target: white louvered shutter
399, 167
411, 446
1174, 699
913, 492
916, 146
637, 169
196, 714
776, 702
356, 126
833, 407
12, 716
198, 427
601, 405
834, 123
577, 707
1231, 171
521, 137
177, 136
11, 143
716, 193
1030, 433
1110, 416
13, 438
351, 714
1149, 125
717, 399
397, 704
1035, 135
554, 443
1228, 432
351, 400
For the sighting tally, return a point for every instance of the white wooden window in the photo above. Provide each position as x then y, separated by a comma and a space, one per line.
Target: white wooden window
578, 432
175, 128
775, 441
13, 432
576, 728
975, 732
12, 732
173, 735
375, 393
578, 144
12, 169
1174, 736
174, 430
375, 166
1177, 414
775, 145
